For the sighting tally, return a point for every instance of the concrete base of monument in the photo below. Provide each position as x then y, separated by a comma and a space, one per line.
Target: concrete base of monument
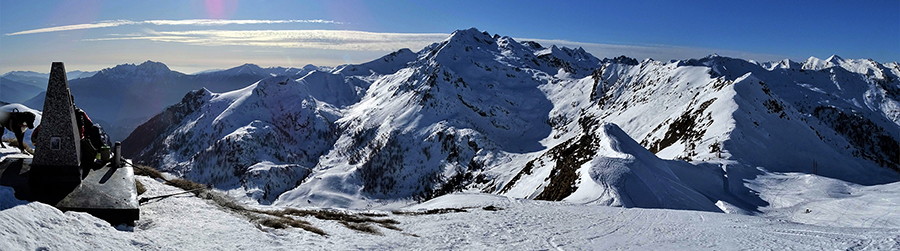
50, 184
108, 193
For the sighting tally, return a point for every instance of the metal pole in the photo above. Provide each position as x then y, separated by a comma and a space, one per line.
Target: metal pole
118, 149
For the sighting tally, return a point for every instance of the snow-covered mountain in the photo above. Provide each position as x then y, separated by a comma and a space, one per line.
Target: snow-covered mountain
265, 137
481, 112
240, 76
132, 93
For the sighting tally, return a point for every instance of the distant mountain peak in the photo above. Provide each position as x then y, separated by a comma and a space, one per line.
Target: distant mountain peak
146, 70
835, 59
576, 54
311, 67
782, 64
26, 74
249, 68
156, 66
471, 35
143, 66
470, 32
622, 60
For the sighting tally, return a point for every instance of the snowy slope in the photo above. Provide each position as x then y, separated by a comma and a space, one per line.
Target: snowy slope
713, 109
263, 138
432, 127
481, 112
605, 166
190, 223
779, 106
821, 201
133, 93
485, 221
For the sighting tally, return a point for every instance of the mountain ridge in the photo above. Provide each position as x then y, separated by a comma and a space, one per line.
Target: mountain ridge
477, 112
133, 93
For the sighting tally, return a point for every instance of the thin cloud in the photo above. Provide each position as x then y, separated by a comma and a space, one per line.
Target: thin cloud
363, 41
373, 41
192, 22
101, 24
212, 22
311, 39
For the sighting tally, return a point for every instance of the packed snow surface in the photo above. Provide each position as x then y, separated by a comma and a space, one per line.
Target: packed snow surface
840, 216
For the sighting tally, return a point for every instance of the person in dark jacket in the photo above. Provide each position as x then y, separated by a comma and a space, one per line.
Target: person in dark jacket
92, 136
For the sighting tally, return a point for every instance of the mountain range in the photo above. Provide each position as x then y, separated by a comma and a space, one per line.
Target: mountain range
485, 113
122, 97
19, 86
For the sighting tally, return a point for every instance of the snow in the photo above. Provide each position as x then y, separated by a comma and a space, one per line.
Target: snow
830, 202
842, 216
626, 174
470, 113
189, 223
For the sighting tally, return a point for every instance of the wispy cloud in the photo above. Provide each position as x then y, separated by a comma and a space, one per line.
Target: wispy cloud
192, 22
355, 40
311, 39
374, 41
101, 24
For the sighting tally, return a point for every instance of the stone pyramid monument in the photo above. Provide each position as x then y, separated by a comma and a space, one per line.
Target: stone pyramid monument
58, 143
56, 167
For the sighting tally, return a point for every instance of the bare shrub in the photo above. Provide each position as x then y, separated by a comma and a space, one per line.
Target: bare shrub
362, 227
186, 185
140, 187
147, 171
432, 211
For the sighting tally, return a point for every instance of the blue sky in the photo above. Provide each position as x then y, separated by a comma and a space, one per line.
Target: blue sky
191, 36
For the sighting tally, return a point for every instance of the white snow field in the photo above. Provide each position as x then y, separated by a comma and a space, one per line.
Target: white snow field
190, 223
841, 217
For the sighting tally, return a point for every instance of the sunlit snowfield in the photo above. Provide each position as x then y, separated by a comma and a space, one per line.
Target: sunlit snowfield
841, 217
